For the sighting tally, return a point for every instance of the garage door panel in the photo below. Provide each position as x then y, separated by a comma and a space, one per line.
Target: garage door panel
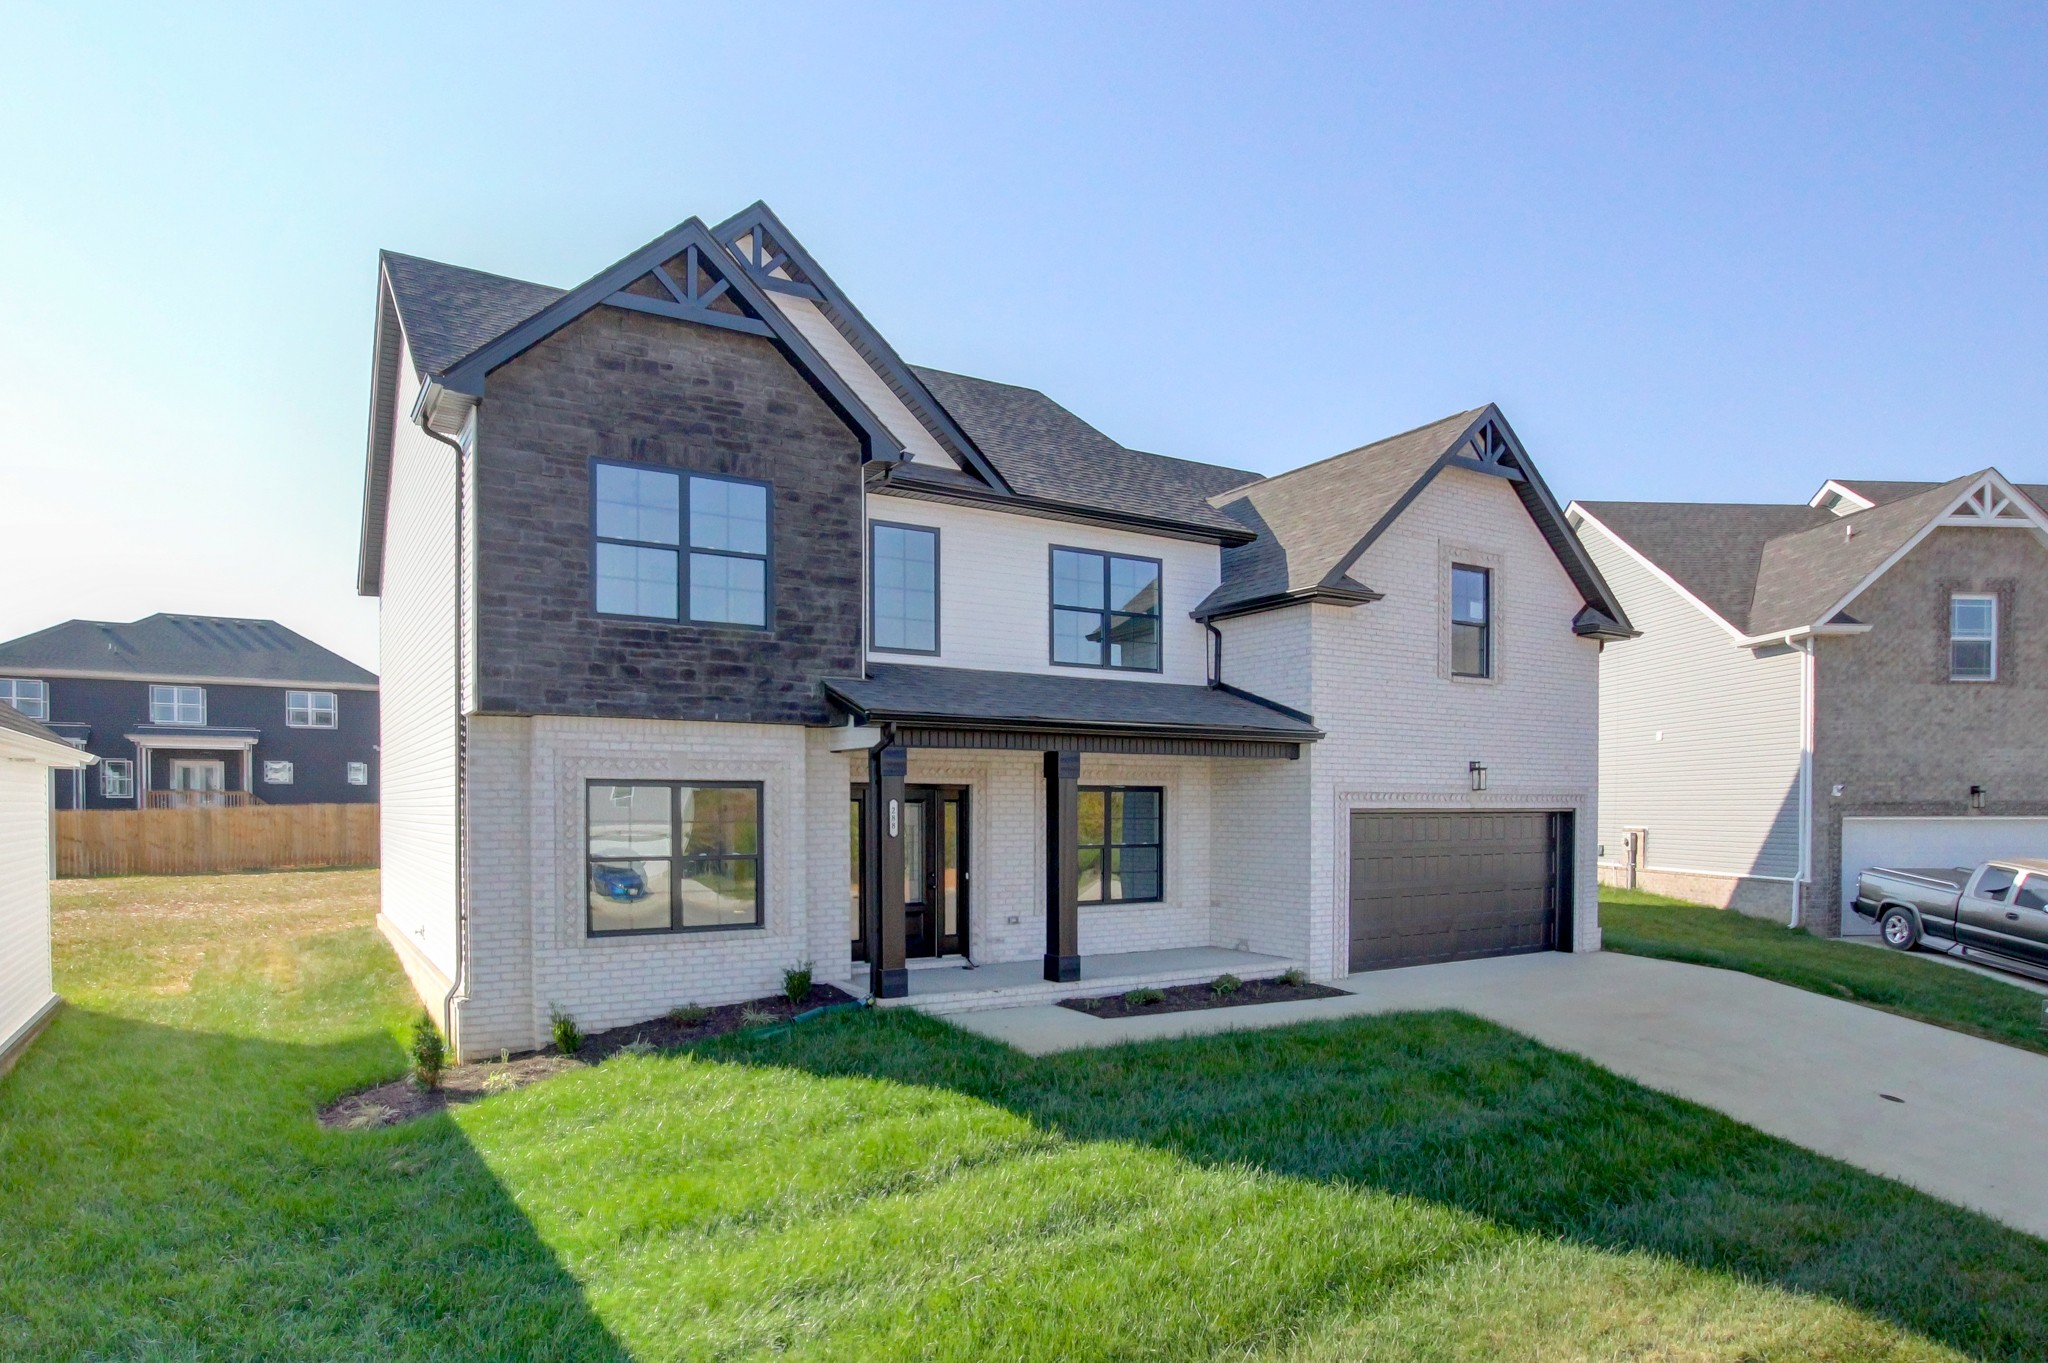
1429, 886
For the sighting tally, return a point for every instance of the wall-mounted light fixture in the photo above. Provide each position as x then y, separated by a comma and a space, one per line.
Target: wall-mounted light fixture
1477, 771
1976, 797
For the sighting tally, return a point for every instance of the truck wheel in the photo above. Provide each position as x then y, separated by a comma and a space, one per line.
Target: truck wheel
1898, 929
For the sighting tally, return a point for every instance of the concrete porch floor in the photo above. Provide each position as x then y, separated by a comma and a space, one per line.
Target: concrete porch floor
1014, 984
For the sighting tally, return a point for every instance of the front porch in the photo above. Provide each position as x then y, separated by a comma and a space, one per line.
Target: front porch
958, 987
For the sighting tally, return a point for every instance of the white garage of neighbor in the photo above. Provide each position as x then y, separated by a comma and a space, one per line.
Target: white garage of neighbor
1901, 842
28, 753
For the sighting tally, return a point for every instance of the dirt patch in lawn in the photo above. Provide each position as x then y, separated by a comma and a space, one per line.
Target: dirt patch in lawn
1186, 998
402, 1100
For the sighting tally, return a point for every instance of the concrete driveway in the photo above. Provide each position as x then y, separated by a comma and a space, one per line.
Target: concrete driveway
1966, 1120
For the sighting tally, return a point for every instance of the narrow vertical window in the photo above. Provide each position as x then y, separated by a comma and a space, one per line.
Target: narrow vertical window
1105, 610
904, 568
637, 521
117, 779
1471, 621
1972, 638
728, 551
32, 698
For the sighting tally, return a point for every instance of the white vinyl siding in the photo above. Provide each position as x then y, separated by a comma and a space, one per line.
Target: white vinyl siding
1699, 738
866, 384
416, 622
25, 986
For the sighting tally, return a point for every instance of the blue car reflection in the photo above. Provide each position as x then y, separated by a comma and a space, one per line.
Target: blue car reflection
621, 884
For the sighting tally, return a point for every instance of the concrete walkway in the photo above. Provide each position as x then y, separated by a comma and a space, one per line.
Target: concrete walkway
1970, 1126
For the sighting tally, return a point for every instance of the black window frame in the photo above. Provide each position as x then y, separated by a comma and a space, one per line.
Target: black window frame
683, 549
1107, 612
938, 591
1485, 627
676, 927
1109, 843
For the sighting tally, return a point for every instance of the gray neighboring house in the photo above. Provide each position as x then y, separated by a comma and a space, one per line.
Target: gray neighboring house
1861, 680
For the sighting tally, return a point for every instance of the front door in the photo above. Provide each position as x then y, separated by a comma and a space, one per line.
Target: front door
201, 781
934, 871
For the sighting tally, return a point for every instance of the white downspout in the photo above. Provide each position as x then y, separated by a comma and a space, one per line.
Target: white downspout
1806, 727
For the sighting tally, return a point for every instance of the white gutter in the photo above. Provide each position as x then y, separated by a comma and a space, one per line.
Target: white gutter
1807, 661
1800, 635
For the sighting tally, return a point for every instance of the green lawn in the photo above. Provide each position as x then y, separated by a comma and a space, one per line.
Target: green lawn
883, 1187
1910, 984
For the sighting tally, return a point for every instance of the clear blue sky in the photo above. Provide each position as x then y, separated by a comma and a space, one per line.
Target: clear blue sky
1710, 256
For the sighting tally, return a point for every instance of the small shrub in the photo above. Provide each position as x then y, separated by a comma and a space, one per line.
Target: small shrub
639, 1045
1144, 998
429, 1052
1294, 977
568, 1036
751, 1016
796, 981
688, 1014
1223, 986
500, 1081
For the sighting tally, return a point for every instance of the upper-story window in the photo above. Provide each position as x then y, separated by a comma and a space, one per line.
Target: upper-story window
1972, 638
1105, 610
177, 704
309, 710
904, 572
646, 566
32, 698
1471, 621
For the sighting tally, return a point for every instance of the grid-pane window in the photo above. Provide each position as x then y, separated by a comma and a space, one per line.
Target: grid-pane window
647, 566
1122, 844
359, 773
1973, 638
904, 569
177, 704
669, 856
32, 698
117, 778
1471, 622
1105, 610
309, 709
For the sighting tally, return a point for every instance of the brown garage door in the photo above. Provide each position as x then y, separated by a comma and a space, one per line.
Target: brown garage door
1449, 887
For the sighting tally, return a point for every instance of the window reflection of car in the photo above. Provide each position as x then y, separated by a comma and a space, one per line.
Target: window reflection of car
621, 884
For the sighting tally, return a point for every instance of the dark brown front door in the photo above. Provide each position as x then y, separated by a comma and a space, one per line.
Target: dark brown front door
1453, 886
935, 875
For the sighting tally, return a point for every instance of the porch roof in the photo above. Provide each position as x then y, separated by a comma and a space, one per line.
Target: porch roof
927, 700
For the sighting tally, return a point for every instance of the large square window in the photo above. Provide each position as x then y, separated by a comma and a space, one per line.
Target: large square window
1105, 610
182, 705
1122, 844
904, 572
646, 567
667, 856
1972, 638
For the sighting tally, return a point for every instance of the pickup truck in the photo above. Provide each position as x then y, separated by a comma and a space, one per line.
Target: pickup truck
1998, 911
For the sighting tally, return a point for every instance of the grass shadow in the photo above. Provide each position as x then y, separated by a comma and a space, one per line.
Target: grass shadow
166, 1193
1460, 1113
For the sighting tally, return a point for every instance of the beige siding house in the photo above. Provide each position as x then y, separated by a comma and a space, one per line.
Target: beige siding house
1821, 688
28, 754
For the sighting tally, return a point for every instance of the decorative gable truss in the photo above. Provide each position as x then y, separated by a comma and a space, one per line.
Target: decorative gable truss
1994, 504
690, 288
770, 264
1487, 450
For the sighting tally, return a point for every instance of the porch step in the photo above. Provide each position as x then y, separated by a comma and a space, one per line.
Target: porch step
1018, 984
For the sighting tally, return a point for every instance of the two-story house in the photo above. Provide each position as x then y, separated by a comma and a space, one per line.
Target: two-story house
197, 710
716, 638
1857, 681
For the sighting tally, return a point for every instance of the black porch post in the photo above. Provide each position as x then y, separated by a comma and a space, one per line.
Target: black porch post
887, 979
1062, 866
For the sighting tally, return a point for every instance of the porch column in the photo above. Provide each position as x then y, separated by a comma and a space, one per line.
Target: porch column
887, 979
1062, 867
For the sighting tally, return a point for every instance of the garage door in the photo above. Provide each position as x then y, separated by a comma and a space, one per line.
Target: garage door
1450, 887
1961, 841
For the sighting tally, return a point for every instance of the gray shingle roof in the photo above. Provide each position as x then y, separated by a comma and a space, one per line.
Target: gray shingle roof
208, 647
1881, 491
1045, 451
906, 692
1765, 568
449, 311
15, 720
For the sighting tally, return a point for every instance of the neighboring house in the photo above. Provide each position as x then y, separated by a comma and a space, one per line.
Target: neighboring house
716, 638
1858, 681
29, 753
198, 710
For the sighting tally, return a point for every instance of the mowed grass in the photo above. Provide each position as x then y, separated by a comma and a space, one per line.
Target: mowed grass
881, 1186
1909, 984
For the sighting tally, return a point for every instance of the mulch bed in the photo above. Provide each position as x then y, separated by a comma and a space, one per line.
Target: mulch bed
402, 1100
1186, 998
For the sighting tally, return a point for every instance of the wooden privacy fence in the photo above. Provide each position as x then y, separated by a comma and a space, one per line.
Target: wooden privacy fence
126, 842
